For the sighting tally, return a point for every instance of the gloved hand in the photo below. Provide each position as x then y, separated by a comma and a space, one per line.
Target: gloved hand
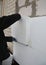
18, 15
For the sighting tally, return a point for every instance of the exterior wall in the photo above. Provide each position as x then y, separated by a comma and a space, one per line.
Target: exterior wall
0, 7
31, 7
9, 7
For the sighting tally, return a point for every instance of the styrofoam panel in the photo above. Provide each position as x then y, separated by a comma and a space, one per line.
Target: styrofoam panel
35, 35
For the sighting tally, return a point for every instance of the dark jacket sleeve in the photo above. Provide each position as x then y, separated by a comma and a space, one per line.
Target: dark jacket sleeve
9, 20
